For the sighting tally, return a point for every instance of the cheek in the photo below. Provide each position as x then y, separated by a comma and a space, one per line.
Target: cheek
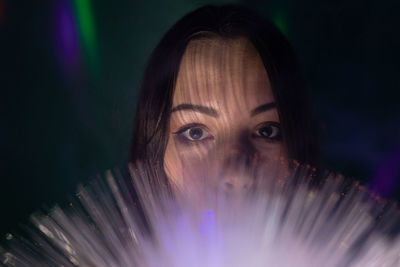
189, 169
275, 161
184, 165
271, 152
173, 164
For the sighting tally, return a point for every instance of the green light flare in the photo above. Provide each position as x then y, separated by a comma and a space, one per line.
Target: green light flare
88, 34
280, 20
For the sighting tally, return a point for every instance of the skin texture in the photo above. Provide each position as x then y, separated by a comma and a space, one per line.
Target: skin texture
223, 119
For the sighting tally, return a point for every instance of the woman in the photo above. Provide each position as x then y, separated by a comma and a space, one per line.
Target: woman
221, 87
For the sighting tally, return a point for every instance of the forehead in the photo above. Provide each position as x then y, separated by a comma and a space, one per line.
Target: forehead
222, 73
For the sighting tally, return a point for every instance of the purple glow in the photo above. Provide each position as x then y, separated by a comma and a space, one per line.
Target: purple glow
208, 223
386, 176
66, 37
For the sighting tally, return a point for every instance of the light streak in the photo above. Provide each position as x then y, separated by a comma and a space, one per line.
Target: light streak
76, 36
88, 34
280, 20
66, 36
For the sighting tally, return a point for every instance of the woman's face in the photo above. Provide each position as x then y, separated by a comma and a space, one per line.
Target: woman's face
224, 118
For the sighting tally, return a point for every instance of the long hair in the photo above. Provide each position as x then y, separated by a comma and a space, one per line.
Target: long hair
150, 136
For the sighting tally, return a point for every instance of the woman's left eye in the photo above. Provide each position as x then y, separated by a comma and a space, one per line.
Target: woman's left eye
271, 130
194, 133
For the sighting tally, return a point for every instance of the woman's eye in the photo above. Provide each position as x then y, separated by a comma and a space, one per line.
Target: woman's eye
270, 131
194, 133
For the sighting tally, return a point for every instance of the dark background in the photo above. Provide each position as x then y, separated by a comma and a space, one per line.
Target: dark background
70, 71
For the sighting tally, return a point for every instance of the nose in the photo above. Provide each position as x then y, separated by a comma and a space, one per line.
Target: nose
238, 169
238, 160
236, 183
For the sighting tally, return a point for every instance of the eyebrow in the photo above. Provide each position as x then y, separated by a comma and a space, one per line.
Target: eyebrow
202, 109
263, 108
212, 112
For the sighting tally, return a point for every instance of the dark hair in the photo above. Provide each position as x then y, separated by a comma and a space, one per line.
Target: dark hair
230, 21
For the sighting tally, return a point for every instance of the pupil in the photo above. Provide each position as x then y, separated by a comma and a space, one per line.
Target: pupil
196, 133
266, 131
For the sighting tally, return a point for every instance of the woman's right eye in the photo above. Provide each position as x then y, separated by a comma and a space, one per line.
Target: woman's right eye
194, 133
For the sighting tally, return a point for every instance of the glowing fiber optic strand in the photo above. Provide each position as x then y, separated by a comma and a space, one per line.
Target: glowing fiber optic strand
292, 224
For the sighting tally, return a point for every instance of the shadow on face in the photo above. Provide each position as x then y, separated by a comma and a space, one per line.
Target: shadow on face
224, 124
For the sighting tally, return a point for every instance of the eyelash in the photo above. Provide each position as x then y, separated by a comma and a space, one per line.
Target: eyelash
276, 138
181, 133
